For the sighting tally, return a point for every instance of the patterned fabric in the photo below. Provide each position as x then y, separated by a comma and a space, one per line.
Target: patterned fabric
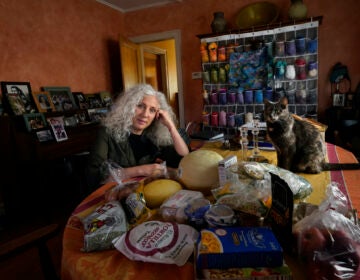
249, 70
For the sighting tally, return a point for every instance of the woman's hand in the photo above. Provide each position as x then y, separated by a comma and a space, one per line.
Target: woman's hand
164, 117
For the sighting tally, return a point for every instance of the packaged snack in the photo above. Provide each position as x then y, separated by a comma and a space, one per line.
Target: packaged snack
158, 242
103, 225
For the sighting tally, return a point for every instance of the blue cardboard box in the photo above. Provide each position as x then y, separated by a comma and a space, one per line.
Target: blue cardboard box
235, 247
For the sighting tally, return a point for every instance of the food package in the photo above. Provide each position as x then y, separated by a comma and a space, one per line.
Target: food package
300, 187
249, 192
103, 225
158, 242
234, 247
172, 209
328, 241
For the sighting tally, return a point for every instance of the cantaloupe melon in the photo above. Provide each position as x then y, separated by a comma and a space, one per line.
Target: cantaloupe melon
198, 170
157, 191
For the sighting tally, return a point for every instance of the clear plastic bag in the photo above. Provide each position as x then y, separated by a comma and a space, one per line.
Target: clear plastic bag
328, 241
249, 192
105, 223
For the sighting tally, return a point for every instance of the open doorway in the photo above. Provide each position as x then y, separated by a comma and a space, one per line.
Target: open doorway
170, 43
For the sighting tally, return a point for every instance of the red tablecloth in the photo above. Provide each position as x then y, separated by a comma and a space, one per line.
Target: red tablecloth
111, 264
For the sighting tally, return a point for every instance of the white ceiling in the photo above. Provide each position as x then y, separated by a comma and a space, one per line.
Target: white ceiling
133, 5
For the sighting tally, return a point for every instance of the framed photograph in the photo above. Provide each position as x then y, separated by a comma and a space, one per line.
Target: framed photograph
80, 100
44, 135
338, 99
34, 121
18, 98
82, 117
97, 114
43, 101
94, 100
58, 128
62, 98
71, 121
106, 98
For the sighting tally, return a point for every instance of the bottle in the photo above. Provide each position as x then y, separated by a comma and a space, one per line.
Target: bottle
219, 23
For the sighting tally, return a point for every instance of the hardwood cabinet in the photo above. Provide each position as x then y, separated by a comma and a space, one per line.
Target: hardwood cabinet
40, 177
240, 68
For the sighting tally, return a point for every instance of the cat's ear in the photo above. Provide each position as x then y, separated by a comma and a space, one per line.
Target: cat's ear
284, 101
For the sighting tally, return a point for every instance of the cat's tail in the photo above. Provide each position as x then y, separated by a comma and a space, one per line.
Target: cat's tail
340, 166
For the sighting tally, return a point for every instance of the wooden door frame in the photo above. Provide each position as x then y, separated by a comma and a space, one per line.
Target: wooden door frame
163, 57
176, 35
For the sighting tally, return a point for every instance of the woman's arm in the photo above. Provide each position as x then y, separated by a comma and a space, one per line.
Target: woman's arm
179, 143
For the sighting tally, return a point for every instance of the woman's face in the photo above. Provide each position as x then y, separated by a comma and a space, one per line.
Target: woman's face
145, 112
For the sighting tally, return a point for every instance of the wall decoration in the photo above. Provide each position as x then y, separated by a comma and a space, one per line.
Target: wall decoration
34, 121
62, 98
43, 101
18, 98
57, 126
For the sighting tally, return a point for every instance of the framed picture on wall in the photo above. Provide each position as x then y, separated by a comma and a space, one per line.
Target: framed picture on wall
62, 98
43, 101
34, 121
18, 98
338, 99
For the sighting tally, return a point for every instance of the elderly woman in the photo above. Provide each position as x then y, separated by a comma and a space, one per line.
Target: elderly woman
137, 134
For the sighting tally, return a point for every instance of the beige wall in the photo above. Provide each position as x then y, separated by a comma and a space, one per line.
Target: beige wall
74, 42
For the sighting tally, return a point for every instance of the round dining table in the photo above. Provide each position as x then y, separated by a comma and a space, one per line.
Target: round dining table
112, 264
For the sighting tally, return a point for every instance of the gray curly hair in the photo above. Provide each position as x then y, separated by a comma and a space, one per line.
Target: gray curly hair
118, 121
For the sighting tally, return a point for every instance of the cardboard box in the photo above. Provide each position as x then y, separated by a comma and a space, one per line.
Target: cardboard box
236, 247
224, 169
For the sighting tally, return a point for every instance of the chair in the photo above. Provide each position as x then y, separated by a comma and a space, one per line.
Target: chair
36, 238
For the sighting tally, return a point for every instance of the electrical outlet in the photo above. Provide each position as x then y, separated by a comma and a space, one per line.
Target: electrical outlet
196, 75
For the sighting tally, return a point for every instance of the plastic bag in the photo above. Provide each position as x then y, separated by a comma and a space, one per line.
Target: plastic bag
328, 241
107, 222
250, 192
300, 187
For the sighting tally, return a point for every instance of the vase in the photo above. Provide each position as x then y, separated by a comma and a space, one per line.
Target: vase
297, 10
219, 23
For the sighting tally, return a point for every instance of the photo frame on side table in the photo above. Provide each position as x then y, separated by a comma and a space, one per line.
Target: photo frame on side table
106, 98
44, 135
58, 128
80, 100
338, 100
43, 101
17, 97
34, 121
62, 98
94, 100
97, 114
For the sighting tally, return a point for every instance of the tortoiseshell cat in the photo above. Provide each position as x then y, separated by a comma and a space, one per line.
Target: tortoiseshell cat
299, 145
